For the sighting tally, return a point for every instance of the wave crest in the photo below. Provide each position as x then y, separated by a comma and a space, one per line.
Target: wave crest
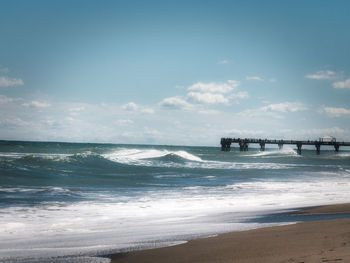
137, 156
285, 152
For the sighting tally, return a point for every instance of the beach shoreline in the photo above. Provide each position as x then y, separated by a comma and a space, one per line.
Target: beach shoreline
313, 241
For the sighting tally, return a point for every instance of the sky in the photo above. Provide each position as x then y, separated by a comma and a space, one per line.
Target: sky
174, 72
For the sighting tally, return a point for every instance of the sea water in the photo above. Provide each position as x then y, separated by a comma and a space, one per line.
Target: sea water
71, 202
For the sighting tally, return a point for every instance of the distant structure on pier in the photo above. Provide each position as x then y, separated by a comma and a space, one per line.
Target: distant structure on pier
328, 138
244, 143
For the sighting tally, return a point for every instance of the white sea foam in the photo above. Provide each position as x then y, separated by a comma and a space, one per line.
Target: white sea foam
38, 190
284, 152
240, 165
116, 222
48, 156
345, 155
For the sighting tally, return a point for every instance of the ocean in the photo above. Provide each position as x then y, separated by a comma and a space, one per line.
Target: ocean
72, 202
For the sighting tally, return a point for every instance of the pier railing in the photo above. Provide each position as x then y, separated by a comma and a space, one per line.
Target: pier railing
244, 143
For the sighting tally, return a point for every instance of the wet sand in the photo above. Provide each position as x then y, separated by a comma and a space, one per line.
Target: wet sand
316, 241
328, 209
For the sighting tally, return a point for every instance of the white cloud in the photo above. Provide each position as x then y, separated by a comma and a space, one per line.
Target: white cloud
234, 83
335, 112
122, 122
147, 110
285, 107
107, 122
322, 74
175, 103
207, 98
75, 109
49, 121
70, 119
205, 93
146, 133
214, 87
272, 80
151, 132
5, 99
133, 107
239, 95
209, 112
272, 111
14, 122
37, 104
222, 62
7, 82
254, 78
3, 69
342, 84
248, 133
259, 113
332, 131
315, 133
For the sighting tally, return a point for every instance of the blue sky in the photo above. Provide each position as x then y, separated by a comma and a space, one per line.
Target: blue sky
174, 72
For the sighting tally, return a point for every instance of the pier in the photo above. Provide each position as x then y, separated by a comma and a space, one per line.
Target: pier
244, 143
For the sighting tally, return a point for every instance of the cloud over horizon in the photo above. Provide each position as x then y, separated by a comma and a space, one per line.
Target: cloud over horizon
175, 103
336, 112
285, 107
6, 82
322, 74
214, 87
133, 107
254, 78
37, 104
342, 84
201, 93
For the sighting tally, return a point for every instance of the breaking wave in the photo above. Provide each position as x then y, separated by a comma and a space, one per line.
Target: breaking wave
177, 159
132, 156
141, 157
285, 152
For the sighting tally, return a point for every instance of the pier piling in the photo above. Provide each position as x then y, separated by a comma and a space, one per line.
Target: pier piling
336, 147
299, 145
318, 148
262, 146
243, 146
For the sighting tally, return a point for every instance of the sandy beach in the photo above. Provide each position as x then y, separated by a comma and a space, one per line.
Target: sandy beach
316, 241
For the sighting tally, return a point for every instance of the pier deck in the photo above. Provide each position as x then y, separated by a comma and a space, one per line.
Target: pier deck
244, 143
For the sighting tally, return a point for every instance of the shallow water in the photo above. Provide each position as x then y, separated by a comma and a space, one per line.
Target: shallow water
63, 200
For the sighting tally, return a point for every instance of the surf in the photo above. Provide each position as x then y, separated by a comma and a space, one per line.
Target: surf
119, 196
143, 156
285, 152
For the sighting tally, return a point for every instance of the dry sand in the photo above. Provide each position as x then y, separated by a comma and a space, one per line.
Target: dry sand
308, 242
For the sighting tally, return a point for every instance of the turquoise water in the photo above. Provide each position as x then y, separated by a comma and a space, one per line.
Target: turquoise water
67, 202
